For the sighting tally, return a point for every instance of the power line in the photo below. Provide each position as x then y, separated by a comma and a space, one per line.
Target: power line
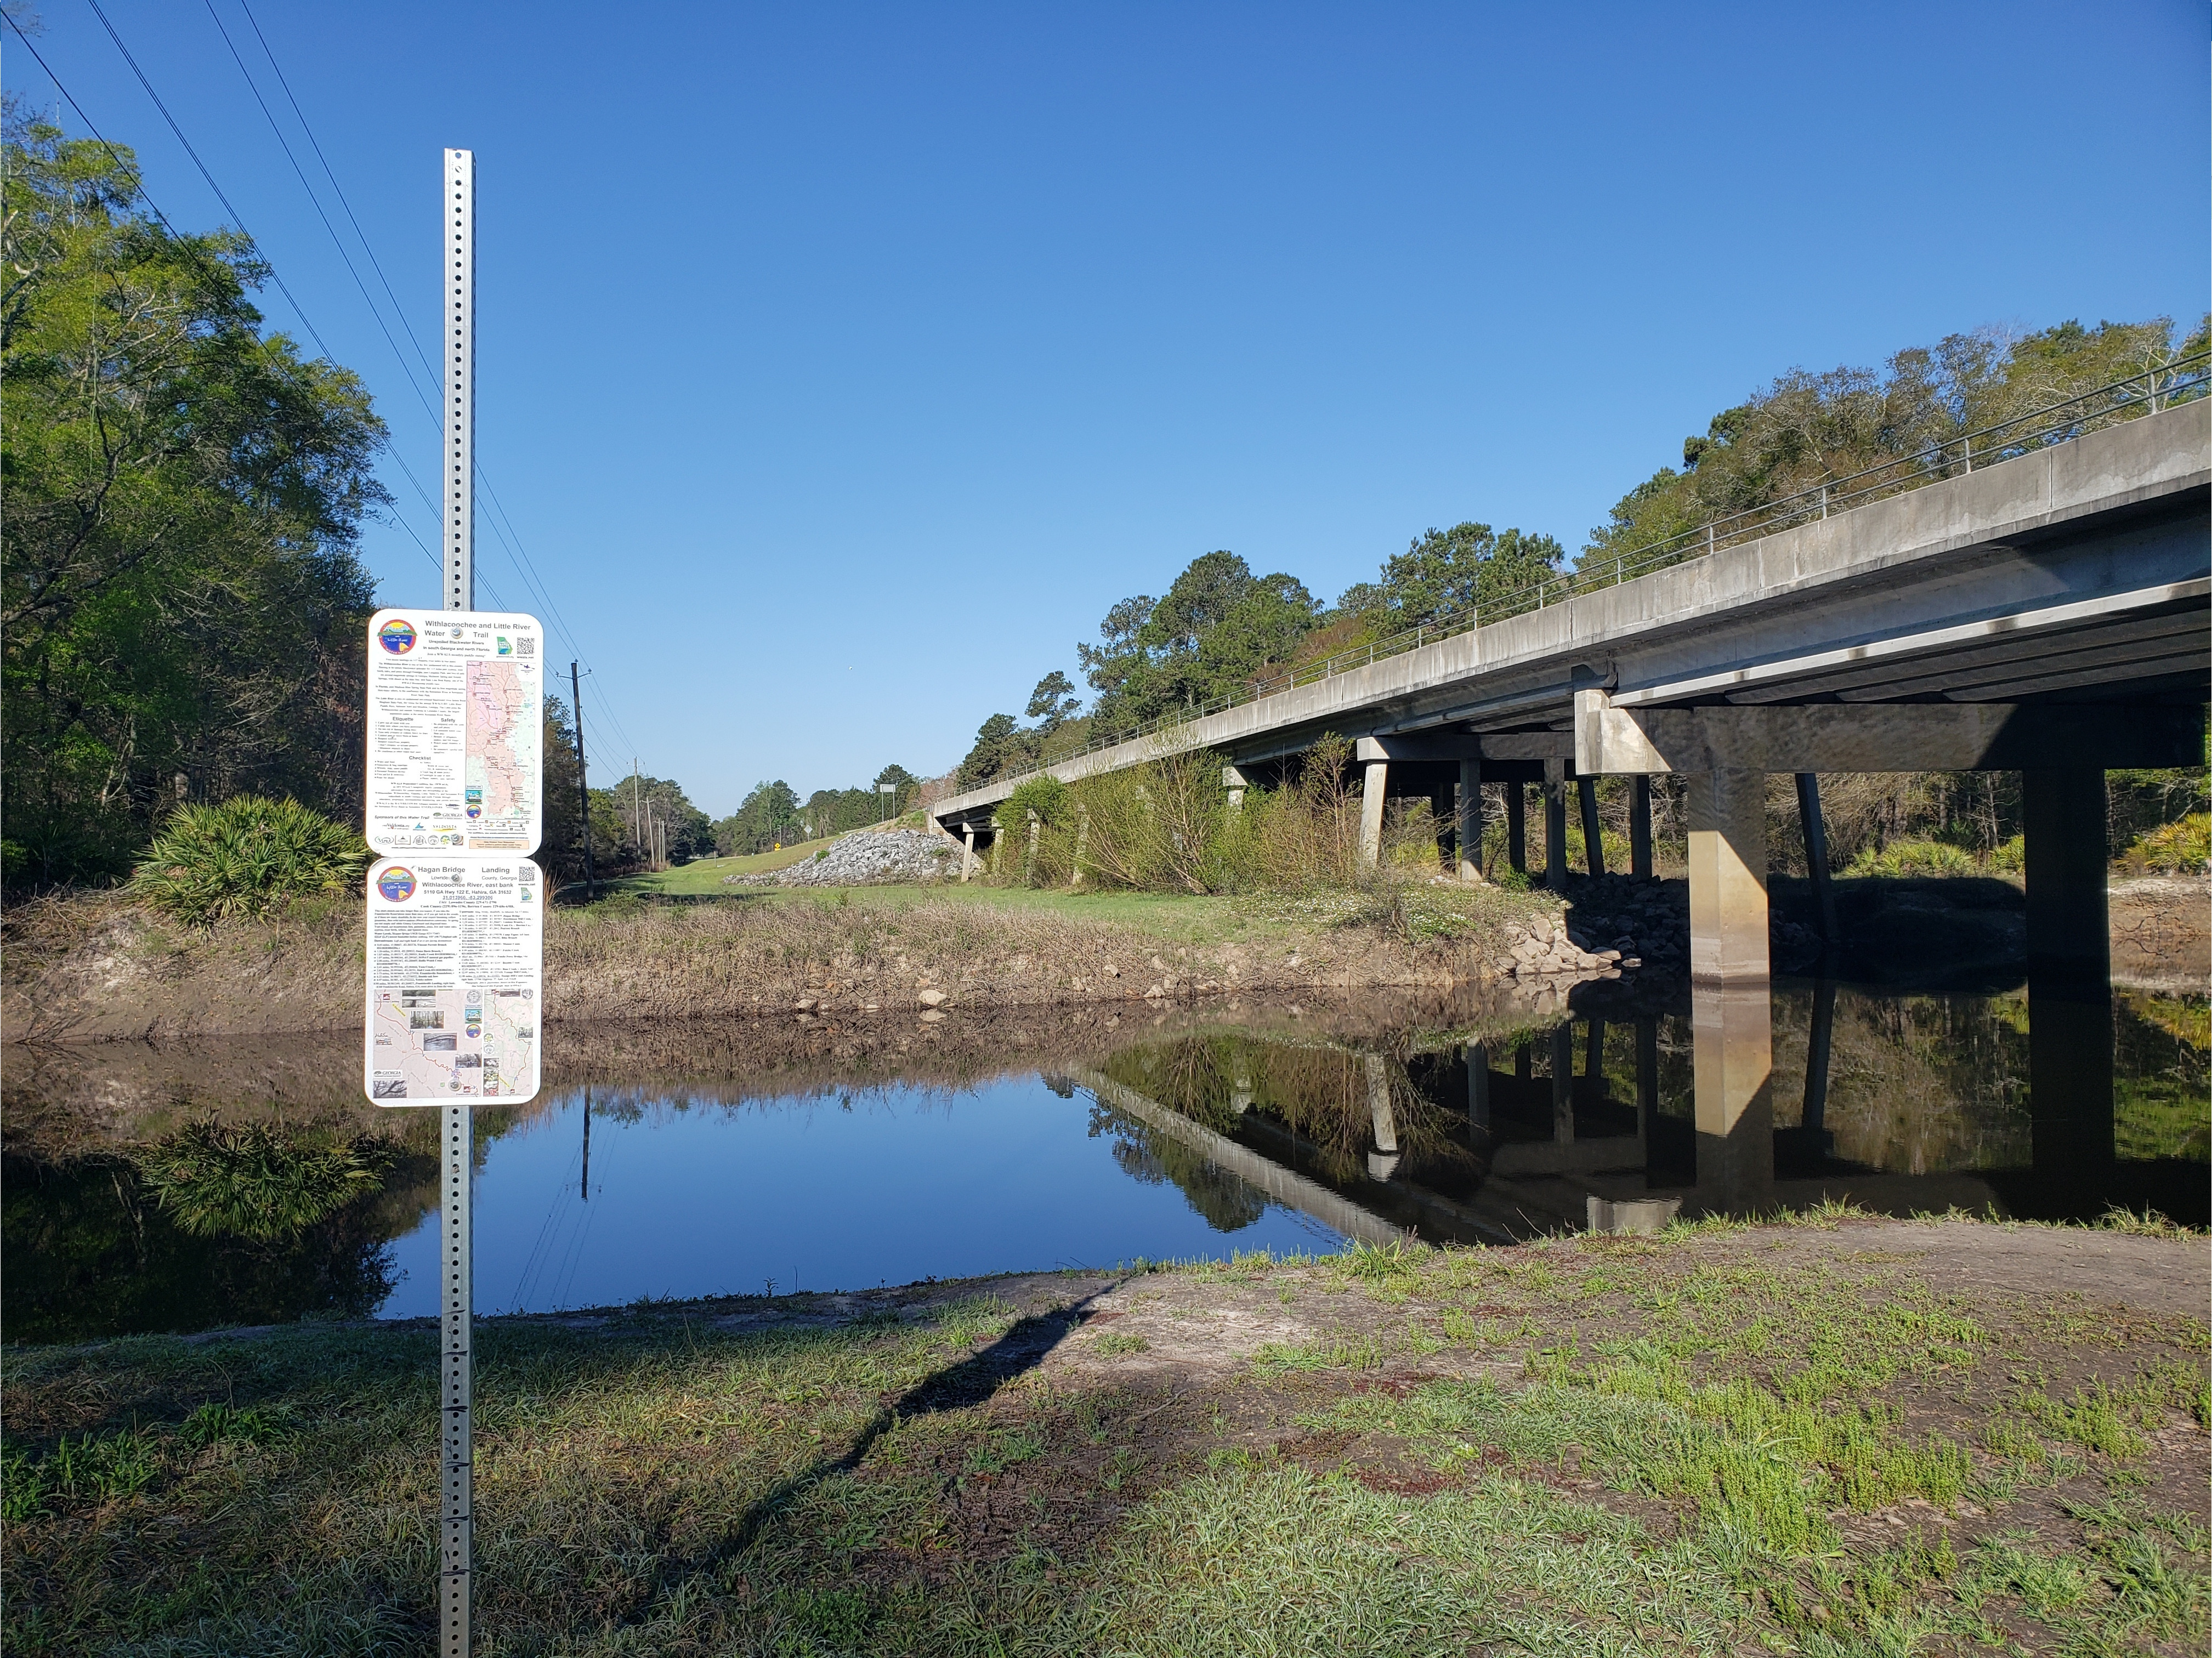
500, 519
114, 154
236, 218
367, 246
146, 196
514, 549
315, 201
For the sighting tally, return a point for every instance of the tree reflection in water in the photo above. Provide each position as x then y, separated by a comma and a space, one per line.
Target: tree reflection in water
209, 1226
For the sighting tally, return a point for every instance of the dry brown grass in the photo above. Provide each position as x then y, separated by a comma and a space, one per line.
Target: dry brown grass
93, 966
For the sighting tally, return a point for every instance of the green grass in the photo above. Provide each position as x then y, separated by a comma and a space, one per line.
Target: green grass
1173, 918
1687, 1447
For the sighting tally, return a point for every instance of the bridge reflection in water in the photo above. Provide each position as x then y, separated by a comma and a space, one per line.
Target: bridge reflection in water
1897, 1103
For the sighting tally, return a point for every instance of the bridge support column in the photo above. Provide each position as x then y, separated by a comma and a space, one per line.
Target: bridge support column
1516, 827
998, 842
1382, 1161
1470, 820
1593, 836
1555, 824
1082, 844
1731, 996
1444, 813
967, 852
1373, 793
1639, 826
1562, 1084
1816, 852
2070, 992
1236, 782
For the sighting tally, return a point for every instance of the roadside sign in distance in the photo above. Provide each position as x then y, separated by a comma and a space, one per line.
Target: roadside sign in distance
455, 731
456, 983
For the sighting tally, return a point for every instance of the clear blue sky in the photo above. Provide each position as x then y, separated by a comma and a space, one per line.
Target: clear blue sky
840, 365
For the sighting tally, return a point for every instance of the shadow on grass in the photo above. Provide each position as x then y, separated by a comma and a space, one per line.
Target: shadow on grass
973, 1381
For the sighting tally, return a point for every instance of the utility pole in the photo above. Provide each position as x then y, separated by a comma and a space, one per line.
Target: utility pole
583, 788
457, 1138
636, 809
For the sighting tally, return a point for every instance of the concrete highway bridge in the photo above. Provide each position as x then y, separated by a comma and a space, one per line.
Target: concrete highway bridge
2046, 614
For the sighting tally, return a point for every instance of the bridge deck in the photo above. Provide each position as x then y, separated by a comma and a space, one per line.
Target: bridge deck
2075, 573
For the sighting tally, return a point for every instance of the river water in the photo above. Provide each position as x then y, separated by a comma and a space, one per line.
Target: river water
898, 1152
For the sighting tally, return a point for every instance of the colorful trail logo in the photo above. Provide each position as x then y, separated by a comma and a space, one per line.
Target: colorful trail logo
396, 884
397, 636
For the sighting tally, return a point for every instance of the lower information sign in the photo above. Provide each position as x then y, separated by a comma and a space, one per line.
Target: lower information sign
456, 984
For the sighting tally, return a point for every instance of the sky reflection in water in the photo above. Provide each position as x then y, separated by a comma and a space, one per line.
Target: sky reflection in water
897, 1185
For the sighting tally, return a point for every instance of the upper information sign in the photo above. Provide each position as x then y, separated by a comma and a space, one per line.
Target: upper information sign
455, 731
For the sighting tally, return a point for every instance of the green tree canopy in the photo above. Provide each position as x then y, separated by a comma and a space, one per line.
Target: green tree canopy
178, 589
1446, 571
1806, 429
1217, 627
767, 817
1001, 745
1053, 701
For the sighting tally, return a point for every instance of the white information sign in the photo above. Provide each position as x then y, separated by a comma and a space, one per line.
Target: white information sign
455, 731
456, 988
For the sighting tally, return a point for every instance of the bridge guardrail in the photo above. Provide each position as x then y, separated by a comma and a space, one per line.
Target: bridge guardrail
2184, 380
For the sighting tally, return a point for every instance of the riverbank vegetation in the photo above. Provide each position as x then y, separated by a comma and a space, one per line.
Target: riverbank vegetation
179, 589
1799, 1438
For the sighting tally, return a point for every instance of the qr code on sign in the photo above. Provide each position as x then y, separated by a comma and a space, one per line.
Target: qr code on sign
525, 646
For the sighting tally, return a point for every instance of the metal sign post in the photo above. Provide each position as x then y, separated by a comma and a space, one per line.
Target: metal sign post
457, 1241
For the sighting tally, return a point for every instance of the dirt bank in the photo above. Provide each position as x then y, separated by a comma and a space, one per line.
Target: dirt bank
91, 967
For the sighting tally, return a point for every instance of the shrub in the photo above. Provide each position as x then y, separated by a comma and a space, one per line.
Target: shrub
1045, 795
1901, 857
245, 857
254, 1182
2181, 848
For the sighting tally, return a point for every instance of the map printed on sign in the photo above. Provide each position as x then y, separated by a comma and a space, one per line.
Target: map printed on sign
455, 987
455, 731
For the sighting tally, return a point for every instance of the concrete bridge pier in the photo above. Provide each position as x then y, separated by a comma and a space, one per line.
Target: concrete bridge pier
1382, 1161
1563, 1085
1374, 788
1731, 998
2069, 997
1516, 827
1470, 820
1555, 824
1639, 826
1593, 837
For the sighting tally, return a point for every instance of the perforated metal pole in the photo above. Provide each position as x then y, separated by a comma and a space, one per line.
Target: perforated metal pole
457, 1241
460, 302
456, 1253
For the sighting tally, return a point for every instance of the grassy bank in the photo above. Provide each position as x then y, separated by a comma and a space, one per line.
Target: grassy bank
1846, 1438
95, 965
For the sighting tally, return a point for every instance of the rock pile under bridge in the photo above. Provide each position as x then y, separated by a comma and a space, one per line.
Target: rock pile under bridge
866, 858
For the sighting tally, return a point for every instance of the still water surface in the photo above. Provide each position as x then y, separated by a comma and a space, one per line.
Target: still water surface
1219, 1133
845, 1192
